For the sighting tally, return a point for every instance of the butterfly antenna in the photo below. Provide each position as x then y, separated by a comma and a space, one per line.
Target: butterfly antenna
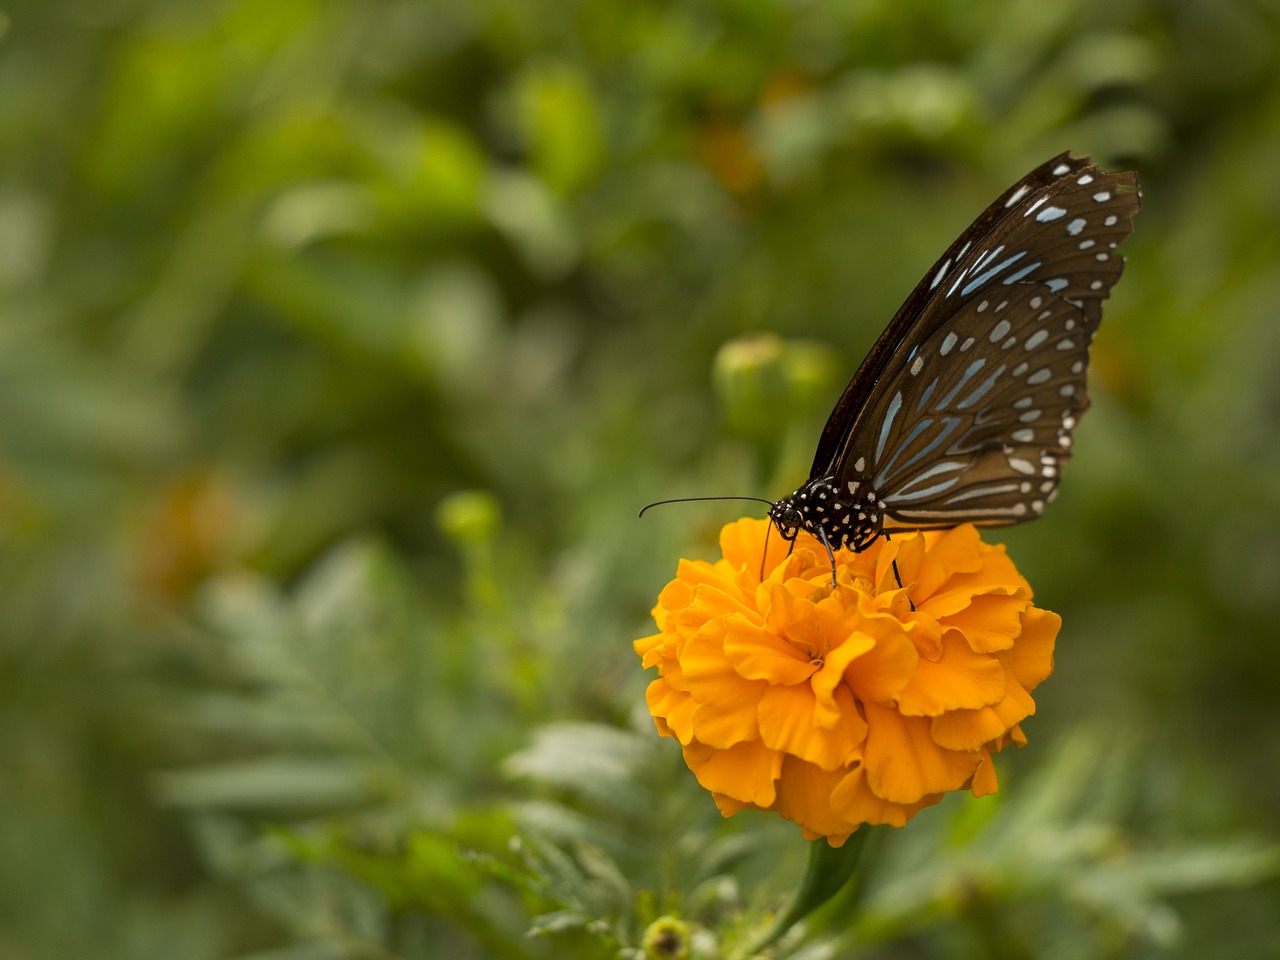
658, 503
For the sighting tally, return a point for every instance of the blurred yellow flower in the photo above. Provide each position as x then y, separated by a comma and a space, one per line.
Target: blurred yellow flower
840, 705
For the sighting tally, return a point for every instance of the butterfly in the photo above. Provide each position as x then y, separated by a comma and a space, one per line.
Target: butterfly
964, 410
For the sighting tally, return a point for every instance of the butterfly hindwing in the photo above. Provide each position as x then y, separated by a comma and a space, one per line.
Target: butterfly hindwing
978, 426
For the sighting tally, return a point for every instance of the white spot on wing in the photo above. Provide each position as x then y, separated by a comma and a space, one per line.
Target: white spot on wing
1051, 213
1017, 195
1061, 169
942, 272
1022, 466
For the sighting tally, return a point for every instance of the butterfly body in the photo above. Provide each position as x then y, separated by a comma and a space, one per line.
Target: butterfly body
964, 410
848, 516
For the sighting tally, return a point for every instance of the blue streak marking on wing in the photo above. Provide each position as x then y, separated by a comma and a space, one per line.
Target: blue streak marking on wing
973, 368
928, 392
1015, 277
947, 466
894, 406
977, 282
982, 389
921, 494
949, 426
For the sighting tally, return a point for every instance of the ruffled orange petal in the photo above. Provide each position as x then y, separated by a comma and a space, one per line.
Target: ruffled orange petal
804, 797
786, 724
757, 654
969, 729
991, 621
903, 762
855, 802
673, 707
887, 667
1032, 657
745, 771
984, 778
959, 680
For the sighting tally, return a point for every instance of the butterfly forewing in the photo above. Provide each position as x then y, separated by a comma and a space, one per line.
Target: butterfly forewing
1056, 229
965, 407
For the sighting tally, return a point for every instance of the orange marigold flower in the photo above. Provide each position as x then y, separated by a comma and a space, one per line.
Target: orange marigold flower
841, 705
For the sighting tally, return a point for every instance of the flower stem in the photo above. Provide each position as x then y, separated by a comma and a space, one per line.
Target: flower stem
829, 869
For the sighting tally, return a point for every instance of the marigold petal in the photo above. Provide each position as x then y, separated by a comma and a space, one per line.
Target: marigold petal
996, 568
956, 550
909, 552
853, 801
729, 806
961, 679
984, 778
787, 724
829, 679
746, 771
742, 543
758, 654
804, 797
649, 649
885, 669
1033, 654
794, 618
678, 594
903, 762
673, 707
702, 658
991, 621
712, 600
970, 729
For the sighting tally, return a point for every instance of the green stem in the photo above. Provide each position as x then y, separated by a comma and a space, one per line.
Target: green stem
828, 871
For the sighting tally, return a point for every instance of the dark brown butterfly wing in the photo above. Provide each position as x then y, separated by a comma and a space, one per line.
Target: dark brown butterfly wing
964, 408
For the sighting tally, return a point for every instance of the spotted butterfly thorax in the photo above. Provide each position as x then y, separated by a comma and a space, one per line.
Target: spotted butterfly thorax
963, 411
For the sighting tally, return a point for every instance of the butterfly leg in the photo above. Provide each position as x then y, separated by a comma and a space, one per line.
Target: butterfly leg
897, 578
822, 535
764, 554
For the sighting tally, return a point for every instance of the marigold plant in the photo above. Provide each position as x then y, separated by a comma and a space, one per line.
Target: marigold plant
862, 702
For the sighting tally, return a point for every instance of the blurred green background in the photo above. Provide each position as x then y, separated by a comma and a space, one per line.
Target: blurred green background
341, 339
